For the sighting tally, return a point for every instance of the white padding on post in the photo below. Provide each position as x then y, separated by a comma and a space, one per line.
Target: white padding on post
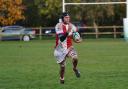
126, 29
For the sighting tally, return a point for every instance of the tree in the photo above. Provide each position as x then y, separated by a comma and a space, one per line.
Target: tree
47, 12
10, 11
50, 11
31, 13
42, 12
97, 14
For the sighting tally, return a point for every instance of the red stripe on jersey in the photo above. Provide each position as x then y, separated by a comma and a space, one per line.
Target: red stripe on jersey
69, 39
57, 39
69, 42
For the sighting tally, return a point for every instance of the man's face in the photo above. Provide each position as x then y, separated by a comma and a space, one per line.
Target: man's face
66, 19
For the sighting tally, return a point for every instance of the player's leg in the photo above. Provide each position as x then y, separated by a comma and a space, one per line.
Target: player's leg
61, 57
73, 54
62, 71
75, 62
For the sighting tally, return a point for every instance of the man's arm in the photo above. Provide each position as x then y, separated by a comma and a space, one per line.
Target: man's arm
62, 36
60, 33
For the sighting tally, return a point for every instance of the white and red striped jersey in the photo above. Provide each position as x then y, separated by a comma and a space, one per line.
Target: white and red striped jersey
62, 28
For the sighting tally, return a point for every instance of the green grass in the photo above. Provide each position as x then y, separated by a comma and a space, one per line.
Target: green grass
31, 65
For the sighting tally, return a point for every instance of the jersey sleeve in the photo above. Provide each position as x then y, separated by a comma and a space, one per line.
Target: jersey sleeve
58, 29
60, 33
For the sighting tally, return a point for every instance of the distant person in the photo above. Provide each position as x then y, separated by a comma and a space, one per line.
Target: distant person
64, 47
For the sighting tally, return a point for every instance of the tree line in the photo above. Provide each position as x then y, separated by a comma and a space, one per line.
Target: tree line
34, 13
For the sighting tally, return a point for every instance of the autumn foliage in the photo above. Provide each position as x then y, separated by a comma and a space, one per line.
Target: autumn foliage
10, 11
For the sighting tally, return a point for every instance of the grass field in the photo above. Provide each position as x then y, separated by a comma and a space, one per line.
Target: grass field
31, 65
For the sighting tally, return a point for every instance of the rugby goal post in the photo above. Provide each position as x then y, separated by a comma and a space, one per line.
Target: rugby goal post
125, 20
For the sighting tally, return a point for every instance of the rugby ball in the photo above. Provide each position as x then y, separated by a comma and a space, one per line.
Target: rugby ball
76, 36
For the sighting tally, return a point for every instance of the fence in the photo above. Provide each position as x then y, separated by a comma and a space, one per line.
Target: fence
104, 30
89, 30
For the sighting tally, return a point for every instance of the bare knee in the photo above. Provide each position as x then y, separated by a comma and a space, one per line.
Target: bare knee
62, 64
75, 59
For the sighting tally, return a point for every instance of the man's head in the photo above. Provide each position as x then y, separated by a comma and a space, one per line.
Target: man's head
65, 17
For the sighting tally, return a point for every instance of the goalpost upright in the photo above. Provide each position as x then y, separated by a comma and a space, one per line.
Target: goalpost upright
125, 20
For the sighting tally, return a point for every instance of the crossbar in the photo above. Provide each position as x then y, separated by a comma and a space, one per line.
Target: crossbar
96, 3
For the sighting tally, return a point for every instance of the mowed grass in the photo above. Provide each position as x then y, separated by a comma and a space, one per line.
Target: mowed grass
31, 65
